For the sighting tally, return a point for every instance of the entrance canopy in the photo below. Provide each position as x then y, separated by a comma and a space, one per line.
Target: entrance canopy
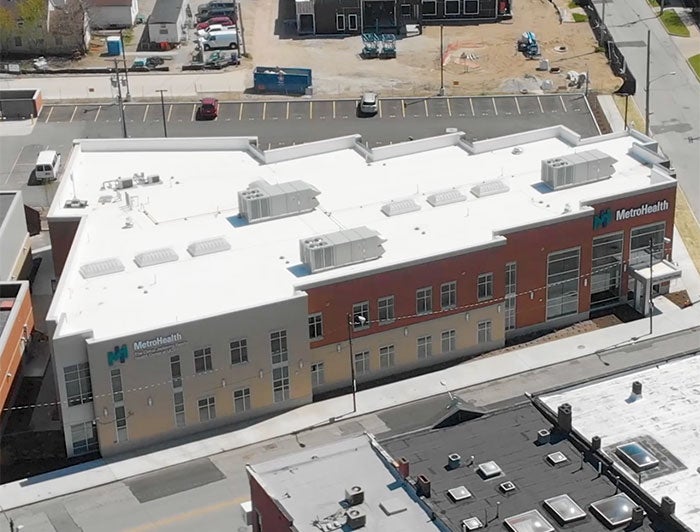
661, 271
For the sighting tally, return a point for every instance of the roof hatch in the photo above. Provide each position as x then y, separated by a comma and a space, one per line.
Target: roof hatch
101, 267
154, 257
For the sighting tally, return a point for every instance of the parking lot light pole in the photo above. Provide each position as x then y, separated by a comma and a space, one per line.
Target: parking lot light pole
441, 92
648, 84
120, 102
162, 109
126, 70
352, 361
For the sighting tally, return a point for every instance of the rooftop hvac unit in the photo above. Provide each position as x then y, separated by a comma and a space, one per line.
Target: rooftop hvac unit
124, 182
75, 204
355, 495
263, 201
152, 179
342, 248
577, 169
356, 518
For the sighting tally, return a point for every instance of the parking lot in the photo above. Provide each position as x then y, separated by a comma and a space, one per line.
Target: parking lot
319, 110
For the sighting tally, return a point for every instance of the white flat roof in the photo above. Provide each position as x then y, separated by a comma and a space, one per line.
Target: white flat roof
667, 411
197, 200
310, 484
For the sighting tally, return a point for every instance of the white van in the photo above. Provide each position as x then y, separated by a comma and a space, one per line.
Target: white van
219, 40
48, 164
213, 29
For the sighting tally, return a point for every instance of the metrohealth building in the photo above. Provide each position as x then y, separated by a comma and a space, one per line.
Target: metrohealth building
193, 296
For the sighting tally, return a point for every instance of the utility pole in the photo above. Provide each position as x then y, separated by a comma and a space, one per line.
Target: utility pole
651, 286
126, 70
120, 102
162, 109
603, 16
648, 82
441, 92
241, 36
352, 365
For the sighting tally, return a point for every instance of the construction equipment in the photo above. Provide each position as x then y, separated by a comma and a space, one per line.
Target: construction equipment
528, 45
388, 46
370, 45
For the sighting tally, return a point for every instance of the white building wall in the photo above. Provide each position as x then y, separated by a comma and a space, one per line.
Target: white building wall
14, 239
112, 16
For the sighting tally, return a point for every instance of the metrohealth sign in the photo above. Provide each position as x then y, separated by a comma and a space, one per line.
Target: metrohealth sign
604, 217
145, 348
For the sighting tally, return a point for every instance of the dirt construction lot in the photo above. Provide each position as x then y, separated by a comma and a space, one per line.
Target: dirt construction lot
478, 59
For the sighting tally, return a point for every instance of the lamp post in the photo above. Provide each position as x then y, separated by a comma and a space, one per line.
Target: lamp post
649, 82
162, 109
441, 92
651, 286
361, 320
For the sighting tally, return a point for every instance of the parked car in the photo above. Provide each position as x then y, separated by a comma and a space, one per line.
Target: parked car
215, 4
224, 21
369, 104
214, 28
208, 109
216, 13
219, 40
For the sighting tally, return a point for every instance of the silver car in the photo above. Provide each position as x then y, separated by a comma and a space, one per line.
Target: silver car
369, 103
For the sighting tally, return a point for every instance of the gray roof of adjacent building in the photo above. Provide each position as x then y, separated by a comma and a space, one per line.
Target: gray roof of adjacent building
165, 12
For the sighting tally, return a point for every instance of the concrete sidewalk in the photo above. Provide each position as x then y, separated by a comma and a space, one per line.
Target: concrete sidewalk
635, 334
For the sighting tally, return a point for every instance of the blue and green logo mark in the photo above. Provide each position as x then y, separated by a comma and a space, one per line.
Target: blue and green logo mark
119, 354
602, 219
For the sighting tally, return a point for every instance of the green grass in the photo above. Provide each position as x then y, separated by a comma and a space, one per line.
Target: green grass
572, 4
695, 64
653, 3
579, 17
128, 36
673, 23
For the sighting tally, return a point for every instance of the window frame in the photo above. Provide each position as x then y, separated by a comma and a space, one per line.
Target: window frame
244, 396
424, 300
465, 11
352, 17
179, 409
315, 326
385, 305
280, 384
424, 344
360, 312
448, 295
83, 382
560, 281
484, 332
484, 286
115, 378
387, 356
459, 7
318, 374
203, 355
426, 13
209, 407
402, 10
89, 444
240, 350
281, 355
176, 376
120, 423
511, 289
450, 336
339, 22
363, 357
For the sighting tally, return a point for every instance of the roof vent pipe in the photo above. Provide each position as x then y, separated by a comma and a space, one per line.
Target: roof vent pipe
595, 443
637, 388
454, 461
668, 506
564, 417
403, 465
637, 515
423, 485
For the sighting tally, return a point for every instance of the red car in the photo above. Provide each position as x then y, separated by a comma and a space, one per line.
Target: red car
224, 21
208, 109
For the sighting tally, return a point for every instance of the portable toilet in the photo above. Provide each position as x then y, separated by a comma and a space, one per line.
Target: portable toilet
114, 45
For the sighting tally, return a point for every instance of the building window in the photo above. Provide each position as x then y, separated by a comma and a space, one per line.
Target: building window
386, 357
317, 374
278, 347
84, 438
361, 363
360, 310
471, 7
448, 295
451, 7
340, 22
639, 244
425, 346
280, 384
239, 351
117, 390
448, 341
176, 371
424, 300
18, 42
606, 269
179, 407
562, 283
316, 326
202, 360
484, 332
207, 408
241, 400
484, 286
120, 421
511, 291
386, 309
405, 10
352, 22
429, 8
59, 40
78, 385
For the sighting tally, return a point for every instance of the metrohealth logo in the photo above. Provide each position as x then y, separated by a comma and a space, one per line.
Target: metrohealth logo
119, 354
602, 219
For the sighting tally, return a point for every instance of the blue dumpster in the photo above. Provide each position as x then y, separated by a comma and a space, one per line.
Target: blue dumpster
282, 80
114, 45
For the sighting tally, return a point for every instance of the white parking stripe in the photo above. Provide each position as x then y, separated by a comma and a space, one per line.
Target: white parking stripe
540, 102
194, 110
472, 106
48, 116
449, 110
517, 105
170, 110
562, 104
495, 109
145, 112
97, 114
73, 115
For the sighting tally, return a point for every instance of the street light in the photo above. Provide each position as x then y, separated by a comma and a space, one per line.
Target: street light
120, 101
126, 70
162, 109
649, 82
361, 320
441, 92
